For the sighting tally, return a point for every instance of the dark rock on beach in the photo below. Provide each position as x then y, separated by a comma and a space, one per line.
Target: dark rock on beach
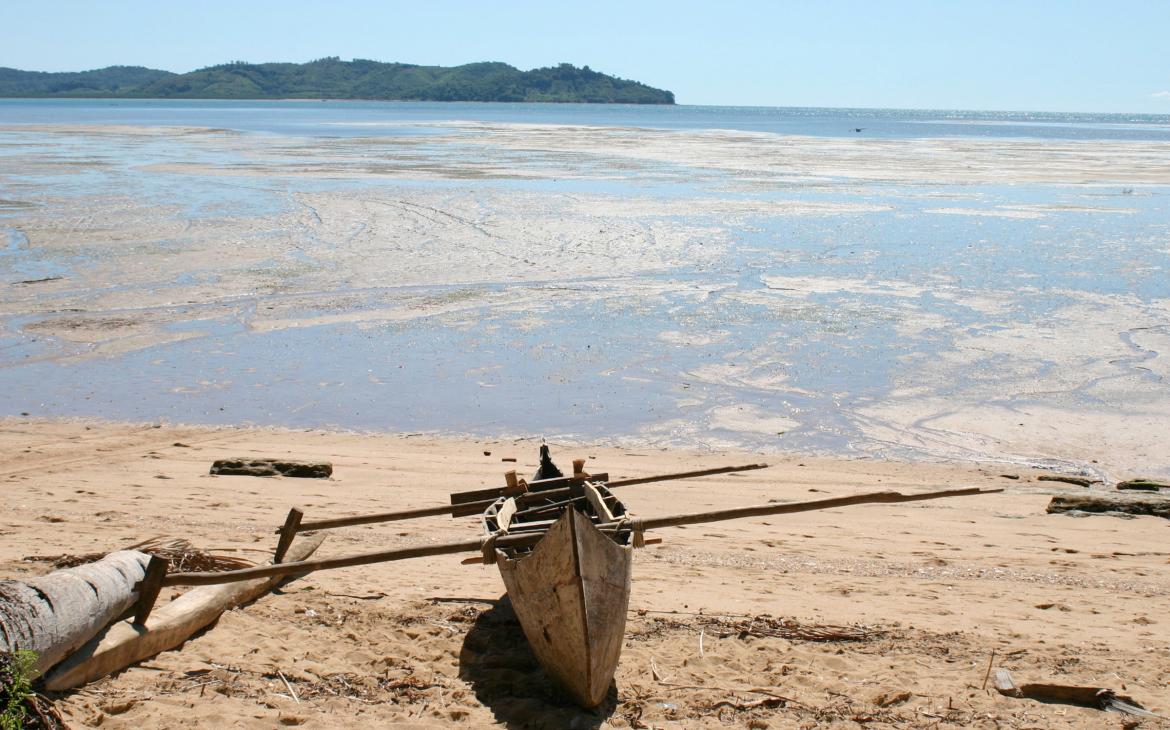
1125, 504
1142, 485
272, 468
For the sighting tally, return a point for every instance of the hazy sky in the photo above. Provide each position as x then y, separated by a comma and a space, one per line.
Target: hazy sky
985, 54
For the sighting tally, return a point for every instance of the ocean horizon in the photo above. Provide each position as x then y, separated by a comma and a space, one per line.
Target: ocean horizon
357, 117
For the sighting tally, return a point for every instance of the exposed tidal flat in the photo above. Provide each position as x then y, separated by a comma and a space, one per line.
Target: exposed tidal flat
985, 297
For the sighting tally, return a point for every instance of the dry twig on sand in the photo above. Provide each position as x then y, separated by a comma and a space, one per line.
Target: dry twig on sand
183, 556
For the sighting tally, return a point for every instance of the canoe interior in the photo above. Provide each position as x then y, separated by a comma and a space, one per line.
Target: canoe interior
537, 512
571, 590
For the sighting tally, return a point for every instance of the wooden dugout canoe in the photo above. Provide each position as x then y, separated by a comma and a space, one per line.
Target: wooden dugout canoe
570, 591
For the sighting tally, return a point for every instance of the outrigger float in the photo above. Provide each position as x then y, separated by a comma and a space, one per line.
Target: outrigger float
563, 546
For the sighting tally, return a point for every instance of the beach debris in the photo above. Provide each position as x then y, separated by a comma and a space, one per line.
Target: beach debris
54, 614
765, 625
128, 641
288, 686
654, 672
1079, 481
1142, 484
272, 468
1100, 698
893, 697
987, 674
1112, 504
183, 556
742, 706
756, 626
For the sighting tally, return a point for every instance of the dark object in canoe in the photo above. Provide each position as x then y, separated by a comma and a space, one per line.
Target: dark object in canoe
272, 468
1124, 503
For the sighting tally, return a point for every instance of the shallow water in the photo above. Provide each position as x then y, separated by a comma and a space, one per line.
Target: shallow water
504, 280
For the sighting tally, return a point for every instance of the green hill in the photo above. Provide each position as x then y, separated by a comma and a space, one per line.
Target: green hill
332, 78
112, 81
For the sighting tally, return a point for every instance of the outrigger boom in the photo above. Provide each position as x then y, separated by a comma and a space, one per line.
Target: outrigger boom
531, 538
474, 502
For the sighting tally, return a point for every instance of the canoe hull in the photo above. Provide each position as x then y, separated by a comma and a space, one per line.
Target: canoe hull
571, 594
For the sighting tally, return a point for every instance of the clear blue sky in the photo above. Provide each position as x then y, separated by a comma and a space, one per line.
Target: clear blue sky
988, 54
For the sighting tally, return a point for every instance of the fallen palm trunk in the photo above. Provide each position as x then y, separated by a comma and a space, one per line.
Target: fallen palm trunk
167, 627
54, 614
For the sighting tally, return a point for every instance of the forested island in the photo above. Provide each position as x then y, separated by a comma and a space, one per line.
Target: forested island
332, 78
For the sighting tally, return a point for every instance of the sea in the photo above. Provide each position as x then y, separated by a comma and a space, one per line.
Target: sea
361, 118
921, 323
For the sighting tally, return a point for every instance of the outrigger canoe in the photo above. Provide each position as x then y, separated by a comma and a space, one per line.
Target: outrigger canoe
562, 545
571, 590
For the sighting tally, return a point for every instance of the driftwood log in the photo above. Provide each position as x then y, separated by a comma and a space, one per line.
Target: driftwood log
1100, 698
168, 626
55, 614
1079, 481
1124, 503
272, 468
1142, 485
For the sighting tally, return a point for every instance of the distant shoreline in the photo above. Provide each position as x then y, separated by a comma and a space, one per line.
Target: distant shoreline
334, 79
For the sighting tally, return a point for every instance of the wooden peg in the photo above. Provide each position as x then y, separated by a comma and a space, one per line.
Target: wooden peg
292, 523
148, 589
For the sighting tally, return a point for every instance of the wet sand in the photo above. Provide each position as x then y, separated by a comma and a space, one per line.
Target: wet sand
926, 299
918, 596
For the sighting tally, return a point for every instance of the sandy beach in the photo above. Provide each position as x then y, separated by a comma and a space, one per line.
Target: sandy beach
874, 616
